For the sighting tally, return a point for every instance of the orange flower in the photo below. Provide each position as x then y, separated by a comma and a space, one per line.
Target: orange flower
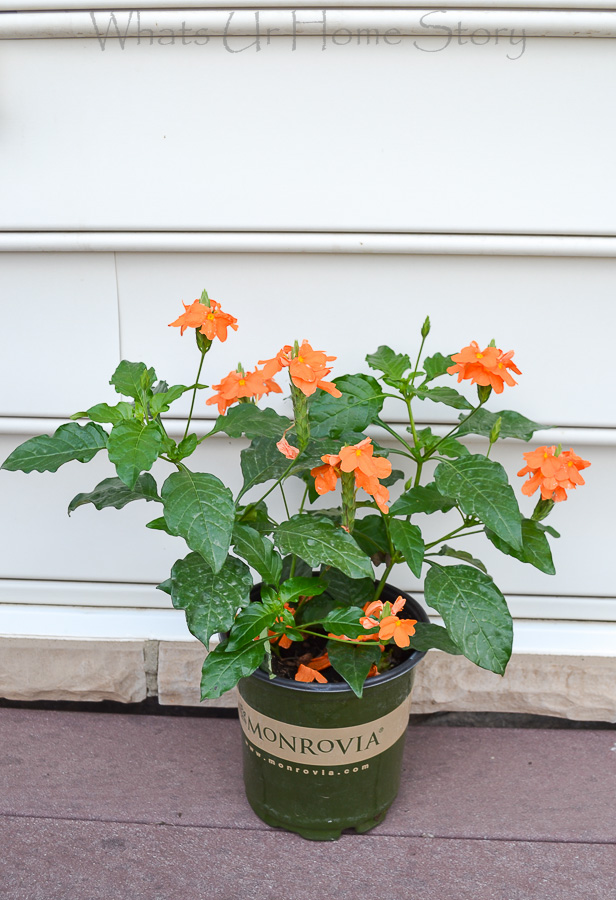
398, 629
488, 367
374, 487
325, 477
373, 671
376, 608
359, 457
319, 663
307, 370
210, 320
554, 474
286, 449
306, 674
236, 385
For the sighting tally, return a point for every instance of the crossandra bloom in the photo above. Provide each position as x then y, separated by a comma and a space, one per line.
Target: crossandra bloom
236, 386
398, 629
286, 449
489, 367
326, 476
307, 674
554, 473
368, 469
210, 320
308, 369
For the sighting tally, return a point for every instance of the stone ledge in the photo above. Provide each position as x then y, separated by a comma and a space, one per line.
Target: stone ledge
571, 687
67, 669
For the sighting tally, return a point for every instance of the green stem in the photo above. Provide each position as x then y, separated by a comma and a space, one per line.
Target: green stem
416, 366
273, 487
453, 430
284, 500
455, 533
342, 640
407, 400
194, 396
383, 581
397, 437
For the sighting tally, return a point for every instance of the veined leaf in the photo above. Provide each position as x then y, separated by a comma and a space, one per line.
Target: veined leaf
262, 461
210, 600
258, 552
251, 623
353, 661
475, 613
481, 488
102, 412
345, 621
247, 419
133, 379
447, 395
222, 671
436, 365
361, 402
386, 360
348, 591
162, 400
463, 555
113, 492
199, 508
319, 541
513, 425
299, 586
433, 637
46, 453
371, 535
133, 448
159, 524
535, 546
421, 499
408, 540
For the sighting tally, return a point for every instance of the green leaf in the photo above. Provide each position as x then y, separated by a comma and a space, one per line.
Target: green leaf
255, 515
222, 671
159, 524
348, 591
258, 552
316, 609
448, 396
186, 447
261, 462
463, 555
164, 586
392, 364
133, 448
475, 614
319, 541
371, 535
252, 622
421, 499
407, 540
433, 637
361, 402
199, 508
113, 492
46, 453
396, 475
353, 661
302, 569
535, 546
247, 419
447, 446
102, 412
513, 425
482, 489
209, 600
133, 379
162, 400
301, 587
345, 621
436, 365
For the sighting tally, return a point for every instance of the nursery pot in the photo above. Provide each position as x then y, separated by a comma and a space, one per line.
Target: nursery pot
317, 759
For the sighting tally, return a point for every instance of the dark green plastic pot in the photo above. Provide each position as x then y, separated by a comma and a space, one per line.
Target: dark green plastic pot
318, 760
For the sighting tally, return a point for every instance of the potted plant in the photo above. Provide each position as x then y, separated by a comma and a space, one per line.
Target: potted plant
323, 649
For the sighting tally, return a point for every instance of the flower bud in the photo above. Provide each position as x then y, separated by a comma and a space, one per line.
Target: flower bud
495, 430
425, 328
542, 510
203, 343
204, 298
483, 392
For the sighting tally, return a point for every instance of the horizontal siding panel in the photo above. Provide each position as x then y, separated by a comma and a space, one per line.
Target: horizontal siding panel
463, 139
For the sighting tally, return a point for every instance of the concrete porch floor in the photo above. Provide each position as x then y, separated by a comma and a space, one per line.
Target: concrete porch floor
134, 807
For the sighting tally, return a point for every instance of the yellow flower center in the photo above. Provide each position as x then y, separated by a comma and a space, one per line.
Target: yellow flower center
242, 381
300, 359
358, 453
479, 355
210, 316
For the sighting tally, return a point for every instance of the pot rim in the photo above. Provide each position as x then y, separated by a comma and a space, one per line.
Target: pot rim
418, 612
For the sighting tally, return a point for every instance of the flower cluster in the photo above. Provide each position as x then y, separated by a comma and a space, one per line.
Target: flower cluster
240, 385
488, 367
210, 320
359, 459
390, 625
555, 473
307, 368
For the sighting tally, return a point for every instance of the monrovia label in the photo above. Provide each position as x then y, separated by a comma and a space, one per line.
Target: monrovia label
323, 746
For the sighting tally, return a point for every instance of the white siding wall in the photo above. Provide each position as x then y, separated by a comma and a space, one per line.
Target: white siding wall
102, 149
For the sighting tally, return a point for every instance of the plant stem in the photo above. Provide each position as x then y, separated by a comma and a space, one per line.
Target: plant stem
194, 396
454, 429
397, 437
273, 487
284, 500
455, 533
383, 581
